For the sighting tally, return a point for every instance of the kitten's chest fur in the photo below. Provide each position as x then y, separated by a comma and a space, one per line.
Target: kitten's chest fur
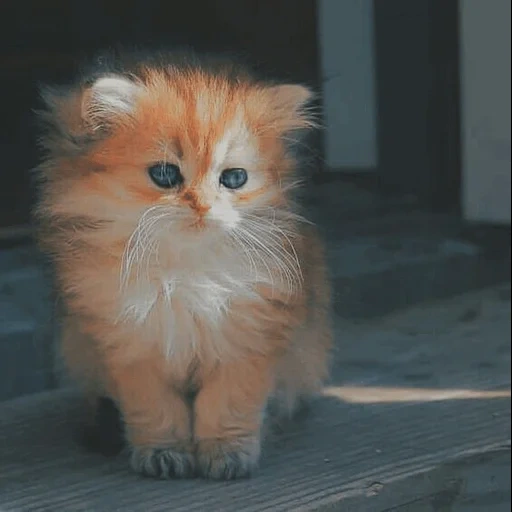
185, 309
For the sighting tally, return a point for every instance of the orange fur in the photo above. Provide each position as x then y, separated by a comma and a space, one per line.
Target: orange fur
195, 290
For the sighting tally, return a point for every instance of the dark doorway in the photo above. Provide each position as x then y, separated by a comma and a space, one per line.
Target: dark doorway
417, 68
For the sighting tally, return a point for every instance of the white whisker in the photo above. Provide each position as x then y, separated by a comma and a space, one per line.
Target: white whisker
143, 245
280, 258
275, 232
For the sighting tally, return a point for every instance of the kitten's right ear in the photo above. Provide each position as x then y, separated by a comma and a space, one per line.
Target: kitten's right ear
71, 116
107, 100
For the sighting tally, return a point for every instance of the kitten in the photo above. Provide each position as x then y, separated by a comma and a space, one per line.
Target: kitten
194, 293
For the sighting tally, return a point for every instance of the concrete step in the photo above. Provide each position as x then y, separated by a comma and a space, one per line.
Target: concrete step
26, 327
382, 264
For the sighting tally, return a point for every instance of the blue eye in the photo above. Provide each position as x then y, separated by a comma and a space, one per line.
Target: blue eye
233, 178
165, 175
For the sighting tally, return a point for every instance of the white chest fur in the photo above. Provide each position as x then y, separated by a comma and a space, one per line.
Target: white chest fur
179, 309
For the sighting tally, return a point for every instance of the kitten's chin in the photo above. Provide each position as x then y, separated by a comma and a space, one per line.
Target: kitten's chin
196, 235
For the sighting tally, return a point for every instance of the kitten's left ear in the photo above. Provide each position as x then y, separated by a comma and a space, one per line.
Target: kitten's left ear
288, 104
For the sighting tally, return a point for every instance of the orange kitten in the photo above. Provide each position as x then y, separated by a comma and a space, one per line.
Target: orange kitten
193, 291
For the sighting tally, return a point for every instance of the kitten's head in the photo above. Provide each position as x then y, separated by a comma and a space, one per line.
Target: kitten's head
189, 149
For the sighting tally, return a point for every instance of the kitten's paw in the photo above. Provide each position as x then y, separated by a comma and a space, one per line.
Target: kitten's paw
227, 460
163, 462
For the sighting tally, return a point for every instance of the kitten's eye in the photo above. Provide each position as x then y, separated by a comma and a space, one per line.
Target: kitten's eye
165, 175
233, 178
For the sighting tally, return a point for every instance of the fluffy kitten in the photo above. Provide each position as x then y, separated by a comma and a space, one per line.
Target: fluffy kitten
193, 291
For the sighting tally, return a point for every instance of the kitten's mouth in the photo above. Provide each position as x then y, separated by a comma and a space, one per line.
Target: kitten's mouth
203, 225
197, 224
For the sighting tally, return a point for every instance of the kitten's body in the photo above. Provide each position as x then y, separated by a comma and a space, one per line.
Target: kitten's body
195, 291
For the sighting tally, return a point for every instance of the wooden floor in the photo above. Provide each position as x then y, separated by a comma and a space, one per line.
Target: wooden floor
416, 418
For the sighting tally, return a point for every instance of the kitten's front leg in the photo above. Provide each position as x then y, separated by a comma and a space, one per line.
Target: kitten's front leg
157, 421
228, 417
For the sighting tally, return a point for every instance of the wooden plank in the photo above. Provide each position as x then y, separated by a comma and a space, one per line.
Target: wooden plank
478, 481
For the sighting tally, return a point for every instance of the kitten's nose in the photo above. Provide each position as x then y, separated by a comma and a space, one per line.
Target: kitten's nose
192, 199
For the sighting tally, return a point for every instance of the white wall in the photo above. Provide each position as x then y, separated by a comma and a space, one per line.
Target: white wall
485, 64
346, 41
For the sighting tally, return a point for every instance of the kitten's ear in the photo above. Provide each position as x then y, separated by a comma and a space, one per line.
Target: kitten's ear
72, 115
289, 107
107, 100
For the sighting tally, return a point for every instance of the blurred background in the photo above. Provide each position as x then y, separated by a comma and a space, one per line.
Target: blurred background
411, 181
